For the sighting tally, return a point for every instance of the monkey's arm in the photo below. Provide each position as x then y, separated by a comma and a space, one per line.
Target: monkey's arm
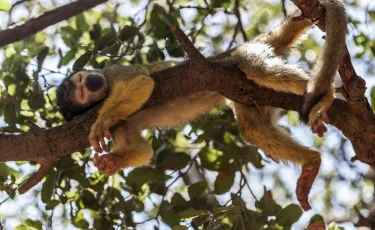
130, 150
126, 97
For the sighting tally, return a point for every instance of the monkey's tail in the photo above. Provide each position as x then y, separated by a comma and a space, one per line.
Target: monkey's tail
330, 58
287, 35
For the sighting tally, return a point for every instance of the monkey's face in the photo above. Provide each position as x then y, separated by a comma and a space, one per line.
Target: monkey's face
88, 87
81, 91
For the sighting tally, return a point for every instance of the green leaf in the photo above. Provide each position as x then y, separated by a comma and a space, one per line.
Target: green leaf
289, 215
48, 186
373, 98
213, 159
267, 205
139, 176
102, 223
107, 40
231, 208
11, 114
89, 201
196, 189
5, 5
253, 156
81, 23
177, 199
67, 58
33, 224
220, 3
82, 61
52, 204
175, 160
180, 227
42, 55
174, 49
21, 227
4, 172
128, 33
154, 53
158, 22
224, 180
138, 205
191, 213
36, 100
167, 214
79, 221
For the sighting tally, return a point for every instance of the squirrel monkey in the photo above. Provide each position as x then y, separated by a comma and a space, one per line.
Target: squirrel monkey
126, 89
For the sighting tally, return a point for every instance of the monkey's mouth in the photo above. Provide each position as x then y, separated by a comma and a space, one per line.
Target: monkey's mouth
81, 92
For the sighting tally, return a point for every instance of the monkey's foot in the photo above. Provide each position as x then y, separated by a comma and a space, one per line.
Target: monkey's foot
108, 164
318, 114
99, 130
305, 182
316, 119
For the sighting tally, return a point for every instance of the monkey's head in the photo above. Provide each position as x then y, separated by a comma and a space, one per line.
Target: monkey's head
81, 91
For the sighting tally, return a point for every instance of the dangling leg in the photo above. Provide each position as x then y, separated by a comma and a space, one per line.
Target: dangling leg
257, 126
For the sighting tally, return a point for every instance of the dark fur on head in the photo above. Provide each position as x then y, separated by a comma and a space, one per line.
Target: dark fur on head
64, 99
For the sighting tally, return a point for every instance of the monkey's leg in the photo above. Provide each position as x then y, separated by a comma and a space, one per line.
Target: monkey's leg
130, 150
125, 99
260, 64
286, 35
257, 127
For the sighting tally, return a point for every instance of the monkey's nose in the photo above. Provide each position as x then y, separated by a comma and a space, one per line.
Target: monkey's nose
94, 82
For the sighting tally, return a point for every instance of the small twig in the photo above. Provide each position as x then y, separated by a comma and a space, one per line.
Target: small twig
239, 22
36, 130
283, 7
188, 46
45, 166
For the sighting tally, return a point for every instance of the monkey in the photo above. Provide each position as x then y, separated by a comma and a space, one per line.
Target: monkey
319, 92
125, 89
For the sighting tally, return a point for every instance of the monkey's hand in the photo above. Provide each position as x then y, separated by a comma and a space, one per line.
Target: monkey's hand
99, 130
108, 164
318, 114
304, 184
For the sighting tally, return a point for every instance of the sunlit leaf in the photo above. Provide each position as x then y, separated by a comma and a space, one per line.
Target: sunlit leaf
5, 5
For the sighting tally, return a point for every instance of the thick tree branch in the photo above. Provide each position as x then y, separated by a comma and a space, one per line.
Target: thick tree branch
47, 19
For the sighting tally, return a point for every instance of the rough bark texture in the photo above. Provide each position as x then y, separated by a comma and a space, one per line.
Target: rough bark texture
47, 19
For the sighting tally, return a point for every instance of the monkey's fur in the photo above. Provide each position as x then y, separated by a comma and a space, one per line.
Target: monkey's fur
127, 88
319, 93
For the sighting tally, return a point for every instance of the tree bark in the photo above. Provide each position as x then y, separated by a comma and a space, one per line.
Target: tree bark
49, 18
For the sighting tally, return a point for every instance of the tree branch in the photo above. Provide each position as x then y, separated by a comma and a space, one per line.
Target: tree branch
49, 18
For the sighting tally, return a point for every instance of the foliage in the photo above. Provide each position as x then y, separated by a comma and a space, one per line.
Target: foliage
203, 174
